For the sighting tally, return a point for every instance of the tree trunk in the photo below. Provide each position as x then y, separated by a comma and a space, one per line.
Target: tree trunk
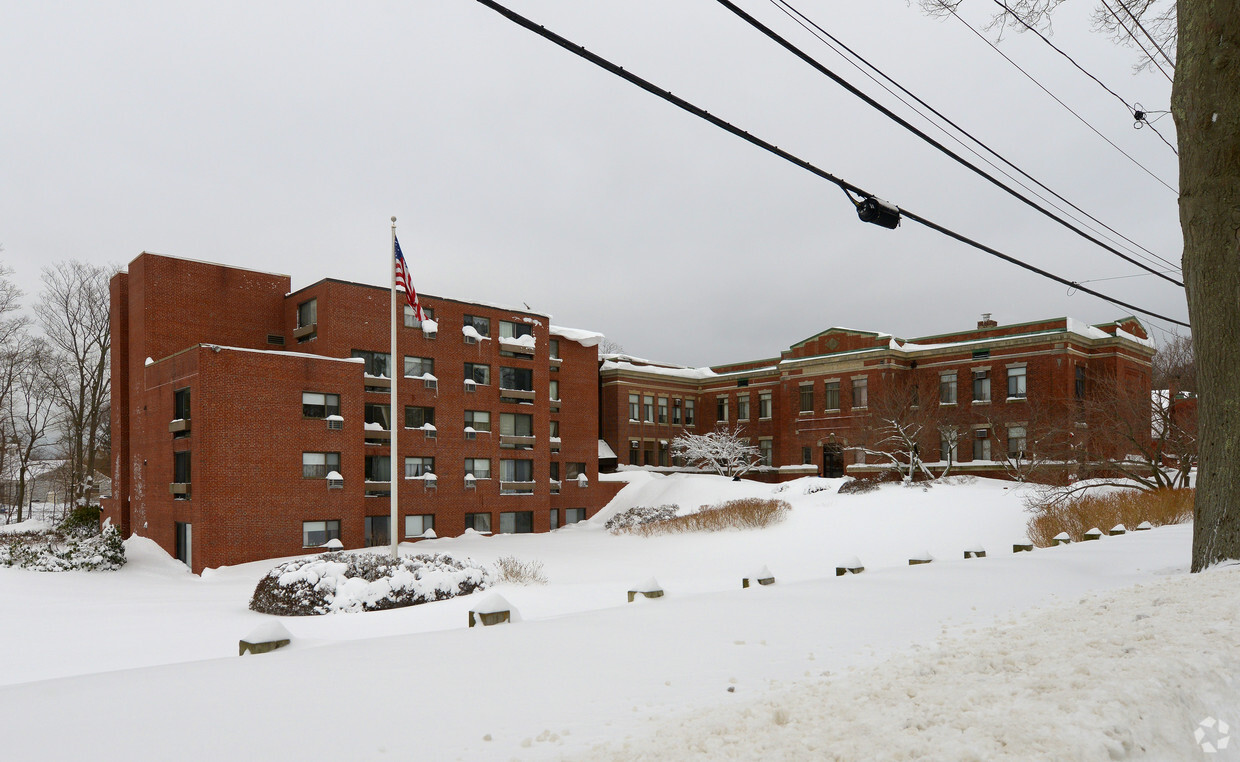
1206, 104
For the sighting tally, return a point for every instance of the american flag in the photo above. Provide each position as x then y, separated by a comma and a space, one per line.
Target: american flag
403, 280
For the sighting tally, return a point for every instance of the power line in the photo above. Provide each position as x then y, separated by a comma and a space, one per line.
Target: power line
1082, 119
828, 39
1130, 109
1136, 39
847, 187
773, 35
1148, 36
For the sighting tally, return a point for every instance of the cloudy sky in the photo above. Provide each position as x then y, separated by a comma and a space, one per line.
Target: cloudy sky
282, 136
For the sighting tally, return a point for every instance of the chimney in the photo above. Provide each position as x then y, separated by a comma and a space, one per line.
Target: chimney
986, 322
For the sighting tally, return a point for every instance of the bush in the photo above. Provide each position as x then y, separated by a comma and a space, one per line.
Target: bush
354, 582
858, 487
747, 513
1077, 515
56, 551
518, 572
638, 515
82, 522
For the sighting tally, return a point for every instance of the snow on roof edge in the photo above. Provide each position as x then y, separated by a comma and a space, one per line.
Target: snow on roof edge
581, 336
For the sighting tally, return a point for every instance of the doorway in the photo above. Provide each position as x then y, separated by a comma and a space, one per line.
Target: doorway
832, 461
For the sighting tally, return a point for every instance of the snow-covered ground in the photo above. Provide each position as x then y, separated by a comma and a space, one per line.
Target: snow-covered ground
1101, 650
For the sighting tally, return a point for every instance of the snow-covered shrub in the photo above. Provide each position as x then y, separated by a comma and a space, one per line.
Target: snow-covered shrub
514, 570
640, 514
56, 551
858, 486
83, 521
1078, 514
746, 513
355, 582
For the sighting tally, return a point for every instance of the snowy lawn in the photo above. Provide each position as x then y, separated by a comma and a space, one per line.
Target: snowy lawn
144, 659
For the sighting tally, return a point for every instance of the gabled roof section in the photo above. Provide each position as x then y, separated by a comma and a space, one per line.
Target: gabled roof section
835, 340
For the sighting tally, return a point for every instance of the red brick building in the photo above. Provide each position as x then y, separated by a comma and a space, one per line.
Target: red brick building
249, 422
811, 408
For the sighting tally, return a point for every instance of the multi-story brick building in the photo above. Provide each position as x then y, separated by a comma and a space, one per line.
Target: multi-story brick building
812, 408
249, 422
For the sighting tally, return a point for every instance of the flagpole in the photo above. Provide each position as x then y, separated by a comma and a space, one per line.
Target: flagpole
394, 476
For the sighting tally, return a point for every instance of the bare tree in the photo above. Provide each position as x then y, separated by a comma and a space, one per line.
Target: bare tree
723, 451
1175, 367
28, 407
899, 425
610, 347
73, 312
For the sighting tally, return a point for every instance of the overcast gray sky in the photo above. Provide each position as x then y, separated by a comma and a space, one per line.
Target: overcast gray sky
282, 136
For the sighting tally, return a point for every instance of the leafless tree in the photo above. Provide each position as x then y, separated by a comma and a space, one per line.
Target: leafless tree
610, 347
1175, 367
28, 408
723, 451
900, 425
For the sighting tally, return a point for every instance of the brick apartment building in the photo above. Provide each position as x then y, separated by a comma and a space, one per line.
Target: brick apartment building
807, 408
249, 422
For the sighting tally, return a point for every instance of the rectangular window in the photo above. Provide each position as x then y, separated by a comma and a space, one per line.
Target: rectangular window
573, 470
554, 518
517, 379
516, 522
317, 465
180, 467
376, 531
418, 525
676, 418
308, 313
480, 324
478, 373
555, 429
411, 319
574, 515
180, 404
376, 363
635, 452
417, 417
419, 366
807, 398
947, 448
663, 410
981, 444
861, 392
317, 533
555, 390
554, 467
516, 470
380, 415
635, 403
511, 330
981, 386
478, 420
1016, 442
764, 405
1080, 382
554, 347
378, 468
417, 467
1016, 382
807, 456
516, 424
721, 408
479, 522
648, 409
766, 450
689, 412
742, 407
479, 468
832, 395
316, 405
947, 389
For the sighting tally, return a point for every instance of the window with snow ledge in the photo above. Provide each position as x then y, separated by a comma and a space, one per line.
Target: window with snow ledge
411, 318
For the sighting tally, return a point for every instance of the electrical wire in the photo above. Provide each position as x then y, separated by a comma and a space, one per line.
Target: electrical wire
848, 187
1147, 34
829, 40
1136, 39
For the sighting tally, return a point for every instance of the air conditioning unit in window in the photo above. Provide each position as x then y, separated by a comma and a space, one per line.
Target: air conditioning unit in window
981, 433
470, 385
430, 383
470, 339
429, 482
335, 423
471, 434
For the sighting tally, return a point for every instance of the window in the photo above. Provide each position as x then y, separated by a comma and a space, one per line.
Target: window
688, 412
516, 424
511, 330
981, 386
317, 465
555, 518
574, 515
1016, 442
635, 407
517, 379
417, 417
516, 470
377, 531
479, 468
479, 522
379, 414
316, 533
914, 394
742, 407
766, 451
981, 354
180, 404
676, 412
420, 524
807, 398
807, 456
315, 405
555, 390
634, 452
411, 319
554, 348
663, 410
832, 395
180, 470
480, 324
555, 429
947, 447
516, 522
478, 420
377, 363
573, 470
378, 468
417, 467
479, 374
861, 392
648, 409
1016, 382
1080, 382
664, 458
981, 444
721, 408
419, 366
308, 313
554, 467
764, 405
947, 389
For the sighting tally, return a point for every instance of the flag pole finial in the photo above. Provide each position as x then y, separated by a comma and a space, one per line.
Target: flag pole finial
393, 220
